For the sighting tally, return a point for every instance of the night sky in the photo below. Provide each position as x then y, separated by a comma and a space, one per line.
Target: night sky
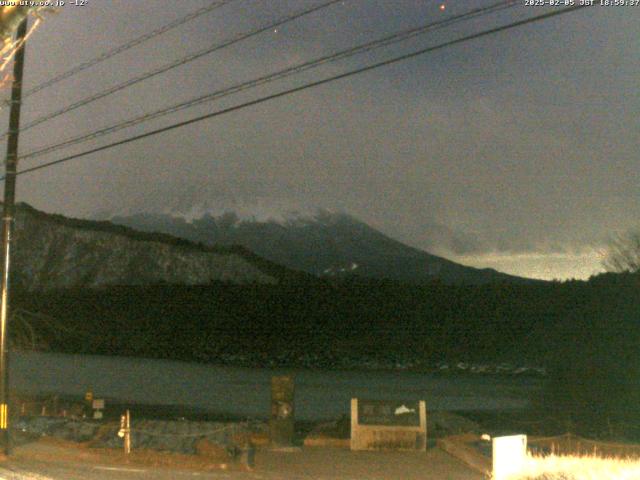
517, 151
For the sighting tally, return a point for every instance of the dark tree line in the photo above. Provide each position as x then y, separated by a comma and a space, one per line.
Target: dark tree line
586, 333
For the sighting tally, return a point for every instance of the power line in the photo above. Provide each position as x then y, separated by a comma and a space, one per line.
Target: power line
308, 86
124, 47
178, 63
383, 42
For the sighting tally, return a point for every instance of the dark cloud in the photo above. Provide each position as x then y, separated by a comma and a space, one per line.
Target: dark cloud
524, 142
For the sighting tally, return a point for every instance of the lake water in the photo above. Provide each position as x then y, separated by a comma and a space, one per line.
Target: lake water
246, 392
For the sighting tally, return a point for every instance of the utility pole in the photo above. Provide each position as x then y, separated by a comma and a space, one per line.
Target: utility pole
11, 166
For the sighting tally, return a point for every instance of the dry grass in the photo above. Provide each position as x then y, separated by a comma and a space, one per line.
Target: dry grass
560, 467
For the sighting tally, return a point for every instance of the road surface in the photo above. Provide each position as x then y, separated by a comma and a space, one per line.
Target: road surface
50, 462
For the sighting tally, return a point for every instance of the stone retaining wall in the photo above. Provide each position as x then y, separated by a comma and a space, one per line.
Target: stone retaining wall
174, 436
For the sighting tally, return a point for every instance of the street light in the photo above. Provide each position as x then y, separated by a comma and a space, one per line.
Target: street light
10, 19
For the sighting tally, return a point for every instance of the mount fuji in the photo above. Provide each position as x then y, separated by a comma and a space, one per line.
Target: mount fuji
321, 242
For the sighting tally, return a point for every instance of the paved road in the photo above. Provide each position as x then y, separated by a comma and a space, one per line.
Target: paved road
308, 464
77, 471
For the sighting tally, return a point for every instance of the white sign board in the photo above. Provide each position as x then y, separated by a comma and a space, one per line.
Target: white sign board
509, 456
388, 425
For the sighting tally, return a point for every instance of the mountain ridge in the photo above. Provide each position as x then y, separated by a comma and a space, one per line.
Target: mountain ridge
52, 251
327, 243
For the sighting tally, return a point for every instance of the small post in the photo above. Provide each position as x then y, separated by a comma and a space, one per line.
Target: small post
88, 404
127, 433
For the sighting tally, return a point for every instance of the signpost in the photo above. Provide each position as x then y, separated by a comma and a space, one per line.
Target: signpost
98, 408
388, 425
281, 423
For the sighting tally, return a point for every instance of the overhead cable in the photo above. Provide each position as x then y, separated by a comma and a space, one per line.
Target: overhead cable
307, 86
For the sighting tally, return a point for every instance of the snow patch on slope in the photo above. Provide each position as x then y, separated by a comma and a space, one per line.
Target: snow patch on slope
259, 212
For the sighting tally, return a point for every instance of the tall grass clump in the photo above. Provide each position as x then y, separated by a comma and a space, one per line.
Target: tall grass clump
561, 467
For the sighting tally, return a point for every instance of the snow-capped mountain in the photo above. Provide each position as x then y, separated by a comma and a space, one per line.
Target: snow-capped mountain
321, 242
